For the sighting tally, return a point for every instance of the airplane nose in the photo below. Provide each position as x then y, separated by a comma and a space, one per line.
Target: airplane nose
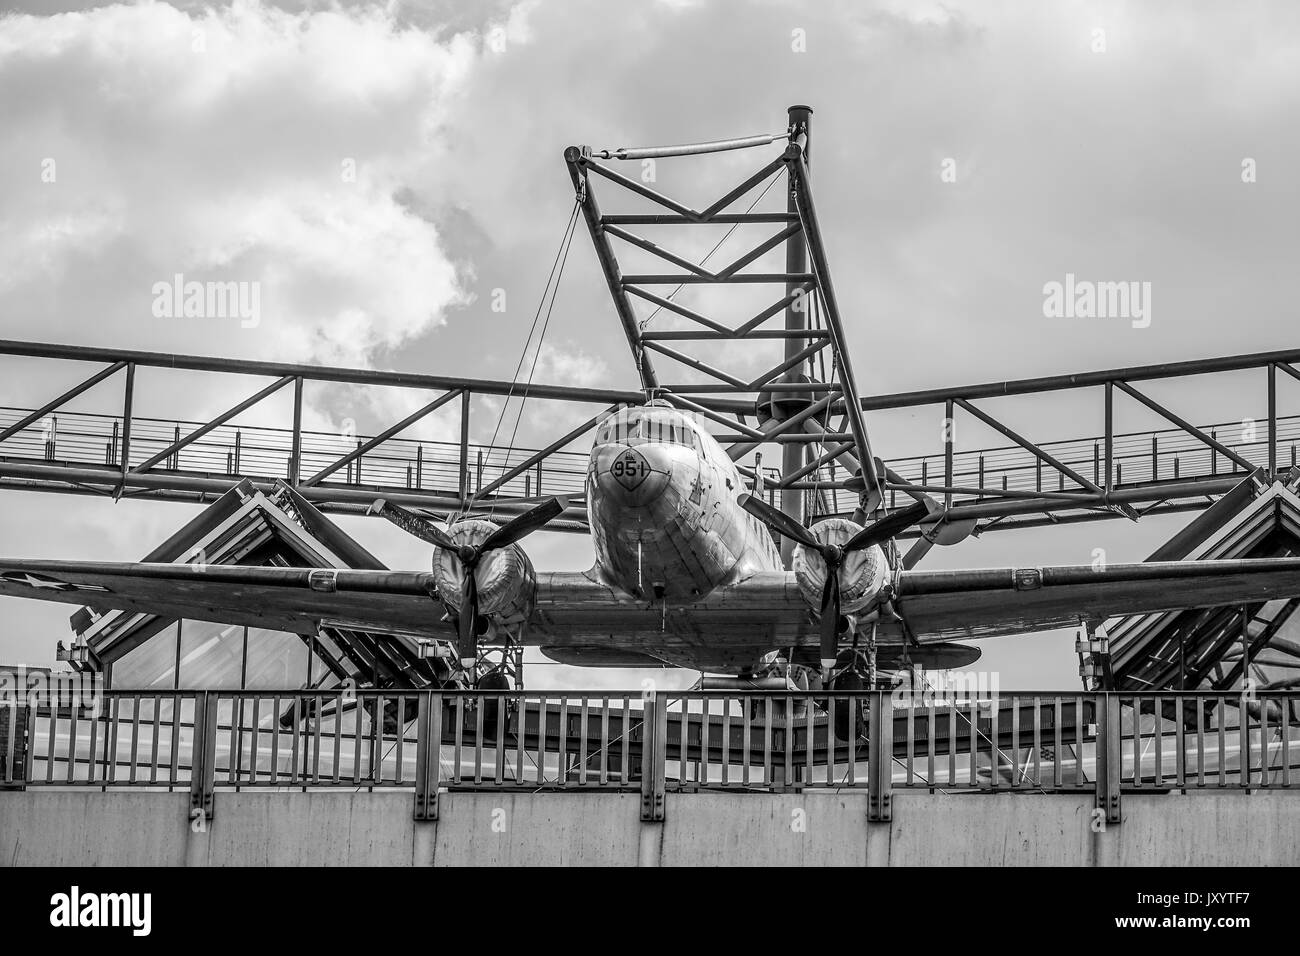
633, 476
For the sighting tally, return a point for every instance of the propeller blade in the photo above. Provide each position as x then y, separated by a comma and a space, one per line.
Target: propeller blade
781, 521
830, 618
412, 523
887, 527
467, 619
525, 524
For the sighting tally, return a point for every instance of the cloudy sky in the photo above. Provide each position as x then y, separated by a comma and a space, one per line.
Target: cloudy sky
381, 169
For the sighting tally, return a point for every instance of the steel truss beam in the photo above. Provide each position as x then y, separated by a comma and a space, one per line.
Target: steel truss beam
806, 279
327, 373
801, 189
105, 471
1116, 467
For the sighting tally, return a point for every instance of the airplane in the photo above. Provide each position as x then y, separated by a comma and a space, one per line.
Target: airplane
687, 574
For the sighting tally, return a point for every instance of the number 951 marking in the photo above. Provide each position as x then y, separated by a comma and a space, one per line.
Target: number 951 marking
629, 469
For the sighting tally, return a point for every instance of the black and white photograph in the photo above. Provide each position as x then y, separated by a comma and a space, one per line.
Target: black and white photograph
649, 433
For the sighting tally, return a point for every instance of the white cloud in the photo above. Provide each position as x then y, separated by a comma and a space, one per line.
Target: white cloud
221, 145
566, 364
213, 143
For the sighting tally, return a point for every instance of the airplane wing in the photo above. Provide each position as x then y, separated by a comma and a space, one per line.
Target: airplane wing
729, 629
283, 599
949, 605
574, 615
736, 624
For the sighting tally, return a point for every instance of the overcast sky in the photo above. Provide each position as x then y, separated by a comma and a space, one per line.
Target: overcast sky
1107, 140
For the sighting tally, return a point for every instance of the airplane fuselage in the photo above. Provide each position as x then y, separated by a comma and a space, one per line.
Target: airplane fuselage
665, 523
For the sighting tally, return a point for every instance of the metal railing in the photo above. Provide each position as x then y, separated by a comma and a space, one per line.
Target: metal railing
431, 741
260, 452
1139, 459
1021, 484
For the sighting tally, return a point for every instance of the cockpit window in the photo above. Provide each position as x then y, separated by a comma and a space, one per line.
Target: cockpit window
647, 426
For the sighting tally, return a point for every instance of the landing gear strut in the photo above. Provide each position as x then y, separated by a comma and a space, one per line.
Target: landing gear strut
501, 677
856, 671
496, 713
848, 724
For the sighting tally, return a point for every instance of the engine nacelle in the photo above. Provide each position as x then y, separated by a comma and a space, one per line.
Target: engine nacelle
505, 577
862, 575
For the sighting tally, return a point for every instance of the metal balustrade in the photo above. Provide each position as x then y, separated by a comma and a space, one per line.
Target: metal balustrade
671, 742
1022, 483
1139, 459
258, 452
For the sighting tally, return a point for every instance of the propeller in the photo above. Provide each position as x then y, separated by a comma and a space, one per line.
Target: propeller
469, 556
412, 523
833, 555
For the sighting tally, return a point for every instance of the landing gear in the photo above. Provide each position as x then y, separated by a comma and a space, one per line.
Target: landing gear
496, 711
855, 670
848, 715
500, 678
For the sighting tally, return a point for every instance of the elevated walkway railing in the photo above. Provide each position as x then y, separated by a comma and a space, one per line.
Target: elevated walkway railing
80, 440
1022, 483
432, 741
86, 439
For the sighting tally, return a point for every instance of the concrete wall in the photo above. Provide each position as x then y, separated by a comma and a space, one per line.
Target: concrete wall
66, 828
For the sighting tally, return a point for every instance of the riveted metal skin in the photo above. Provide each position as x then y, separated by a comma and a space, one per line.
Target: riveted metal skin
669, 527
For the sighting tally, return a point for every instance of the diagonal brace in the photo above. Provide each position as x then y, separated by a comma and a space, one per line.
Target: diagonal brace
381, 437
1033, 449
67, 396
1185, 425
215, 423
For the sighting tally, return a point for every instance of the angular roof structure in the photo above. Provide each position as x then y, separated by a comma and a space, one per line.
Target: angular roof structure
1218, 648
246, 527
